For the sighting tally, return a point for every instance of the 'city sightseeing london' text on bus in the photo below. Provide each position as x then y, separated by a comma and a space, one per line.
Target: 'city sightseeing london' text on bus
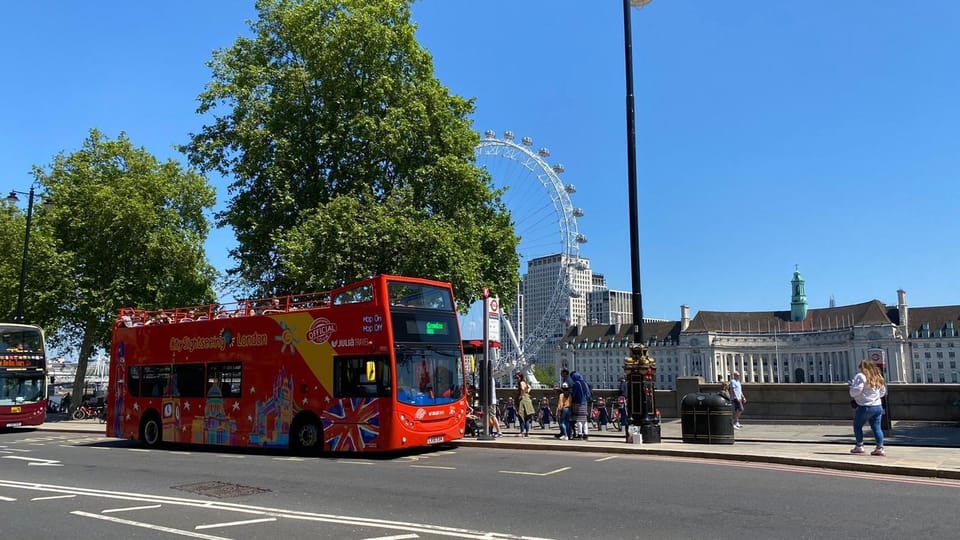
23, 376
373, 366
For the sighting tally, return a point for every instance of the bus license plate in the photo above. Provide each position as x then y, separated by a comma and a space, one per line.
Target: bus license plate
435, 439
14, 424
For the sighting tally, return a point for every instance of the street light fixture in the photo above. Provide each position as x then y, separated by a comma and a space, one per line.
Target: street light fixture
640, 368
12, 198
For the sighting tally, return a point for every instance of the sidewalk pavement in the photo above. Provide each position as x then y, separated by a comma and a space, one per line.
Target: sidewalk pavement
926, 449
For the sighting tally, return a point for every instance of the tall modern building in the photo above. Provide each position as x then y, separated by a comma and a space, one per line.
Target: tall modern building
553, 297
610, 307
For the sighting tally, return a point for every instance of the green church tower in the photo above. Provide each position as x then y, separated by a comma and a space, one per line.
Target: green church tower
798, 303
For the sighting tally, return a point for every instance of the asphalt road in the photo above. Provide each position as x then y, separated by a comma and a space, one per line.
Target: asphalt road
87, 486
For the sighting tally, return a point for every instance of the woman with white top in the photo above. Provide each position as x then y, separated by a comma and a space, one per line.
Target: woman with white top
867, 388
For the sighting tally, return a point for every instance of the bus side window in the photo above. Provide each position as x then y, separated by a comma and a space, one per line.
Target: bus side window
133, 381
226, 376
352, 376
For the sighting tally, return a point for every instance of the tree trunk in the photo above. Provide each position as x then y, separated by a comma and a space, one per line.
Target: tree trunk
86, 350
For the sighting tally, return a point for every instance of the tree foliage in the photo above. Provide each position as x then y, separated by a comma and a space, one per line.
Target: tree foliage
133, 229
348, 157
48, 275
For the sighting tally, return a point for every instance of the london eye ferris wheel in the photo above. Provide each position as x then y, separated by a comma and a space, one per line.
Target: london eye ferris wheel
545, 221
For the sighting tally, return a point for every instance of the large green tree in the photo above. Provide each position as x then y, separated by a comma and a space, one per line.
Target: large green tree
48, 267
347, 156
134, 228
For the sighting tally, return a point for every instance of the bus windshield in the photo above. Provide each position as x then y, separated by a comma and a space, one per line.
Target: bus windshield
420, 296
429, 376
19, 387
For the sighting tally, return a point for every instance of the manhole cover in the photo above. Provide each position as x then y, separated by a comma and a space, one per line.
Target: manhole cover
220, 490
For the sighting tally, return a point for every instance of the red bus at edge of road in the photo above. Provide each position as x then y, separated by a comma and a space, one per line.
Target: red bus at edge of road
23, 375
373, 366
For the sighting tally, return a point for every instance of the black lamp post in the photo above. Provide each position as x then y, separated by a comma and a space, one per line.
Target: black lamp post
18, 317
640, 368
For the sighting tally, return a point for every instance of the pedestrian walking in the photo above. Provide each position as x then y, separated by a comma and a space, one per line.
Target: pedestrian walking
739, 400
493, 420
868, 388
525, 411
603, 418
510, 415
580, 392
564, 413
623, 414
544, 416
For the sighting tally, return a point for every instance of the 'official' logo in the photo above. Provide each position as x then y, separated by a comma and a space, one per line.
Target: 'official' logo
321, 330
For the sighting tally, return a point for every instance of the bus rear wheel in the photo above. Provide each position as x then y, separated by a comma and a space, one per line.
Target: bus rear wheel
151, 433
306, 436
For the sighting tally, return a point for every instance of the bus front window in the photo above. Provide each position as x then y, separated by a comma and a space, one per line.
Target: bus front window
15, 390
429, 376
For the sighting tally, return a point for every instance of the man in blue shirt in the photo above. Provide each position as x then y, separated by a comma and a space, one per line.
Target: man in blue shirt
736, 395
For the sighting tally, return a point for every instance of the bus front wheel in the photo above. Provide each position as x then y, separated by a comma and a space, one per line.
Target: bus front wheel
151, 433
306, 435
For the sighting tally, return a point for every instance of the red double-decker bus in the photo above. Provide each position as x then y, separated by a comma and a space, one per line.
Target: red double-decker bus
23, 375
373, 366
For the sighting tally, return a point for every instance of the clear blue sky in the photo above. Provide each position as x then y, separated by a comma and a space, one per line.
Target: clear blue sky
820, 133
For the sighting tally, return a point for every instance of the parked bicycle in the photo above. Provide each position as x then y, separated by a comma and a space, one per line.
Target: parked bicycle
85, 412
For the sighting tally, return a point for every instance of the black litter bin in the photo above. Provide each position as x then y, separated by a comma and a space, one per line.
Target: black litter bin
706, 419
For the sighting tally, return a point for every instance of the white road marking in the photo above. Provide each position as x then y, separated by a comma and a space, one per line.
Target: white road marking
130, 508
36, 461
605, 458
434, 467
234, 523
148, 526
8, 499
374, 523
53, 497
536, 473
395, 537
288, 459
